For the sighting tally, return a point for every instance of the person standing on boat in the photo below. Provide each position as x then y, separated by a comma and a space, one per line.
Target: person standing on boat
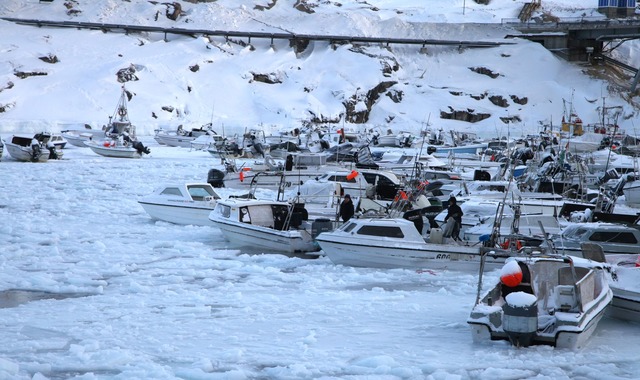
346, 208
455, 213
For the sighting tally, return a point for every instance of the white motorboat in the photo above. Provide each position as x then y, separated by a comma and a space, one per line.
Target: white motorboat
24, 148
58, 141
78, 137
189, 203
181, 137
113, 148
554, 301
272, 226
626, 287
399, 243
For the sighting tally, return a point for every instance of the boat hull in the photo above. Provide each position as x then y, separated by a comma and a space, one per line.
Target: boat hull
20, 153
424, 256
113, 151
78, 137
268, 239
179, 212
174, 140
625, 305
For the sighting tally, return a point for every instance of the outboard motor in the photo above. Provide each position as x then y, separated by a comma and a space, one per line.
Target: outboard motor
520, 318
36, 152
215, 178
415, 216
140, 148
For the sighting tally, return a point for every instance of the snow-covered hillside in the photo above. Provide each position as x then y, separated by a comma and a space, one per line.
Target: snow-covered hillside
187, 80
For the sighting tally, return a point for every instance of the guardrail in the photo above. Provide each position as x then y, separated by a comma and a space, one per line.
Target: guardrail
572, 23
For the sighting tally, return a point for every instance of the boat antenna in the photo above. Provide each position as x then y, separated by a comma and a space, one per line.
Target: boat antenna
413, 169
213, 108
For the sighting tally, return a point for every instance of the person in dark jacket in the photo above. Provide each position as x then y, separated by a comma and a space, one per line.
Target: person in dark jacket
346, 208
454, 212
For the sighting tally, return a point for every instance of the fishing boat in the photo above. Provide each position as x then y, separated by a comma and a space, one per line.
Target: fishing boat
269, 225
399, 243
120, 135
549, 300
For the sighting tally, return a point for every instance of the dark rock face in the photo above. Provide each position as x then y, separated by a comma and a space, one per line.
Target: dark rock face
51, 58
467, 115
517, 100
127, 74
266, 78
25, 74
304, 6
173, 11
372, 96
511, 119
484, 71
499, 101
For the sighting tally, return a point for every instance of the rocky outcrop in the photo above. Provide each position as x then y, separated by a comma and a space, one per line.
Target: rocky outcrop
51, 58
467, 115
174, 10
360, 115
26, 74
499, 101
272, 78
127, 74
484, 71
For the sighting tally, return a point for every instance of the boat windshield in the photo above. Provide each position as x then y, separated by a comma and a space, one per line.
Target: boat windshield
201, 192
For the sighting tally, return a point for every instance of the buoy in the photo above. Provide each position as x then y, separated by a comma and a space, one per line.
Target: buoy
106, 143
352, 175
507, 244
241, 176
511, 274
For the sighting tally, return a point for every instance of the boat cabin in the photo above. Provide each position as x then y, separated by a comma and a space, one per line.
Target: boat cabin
195, 192
612, 237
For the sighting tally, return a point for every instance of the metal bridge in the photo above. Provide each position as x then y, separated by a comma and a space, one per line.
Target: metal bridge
582, 38
249, 35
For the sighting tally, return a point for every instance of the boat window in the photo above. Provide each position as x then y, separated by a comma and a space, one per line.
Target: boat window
198, 193
376, 179
575, 232
341, 178
172, 191
244, 215
225, 210
614, 237
348, 227
381, 231
260, 215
